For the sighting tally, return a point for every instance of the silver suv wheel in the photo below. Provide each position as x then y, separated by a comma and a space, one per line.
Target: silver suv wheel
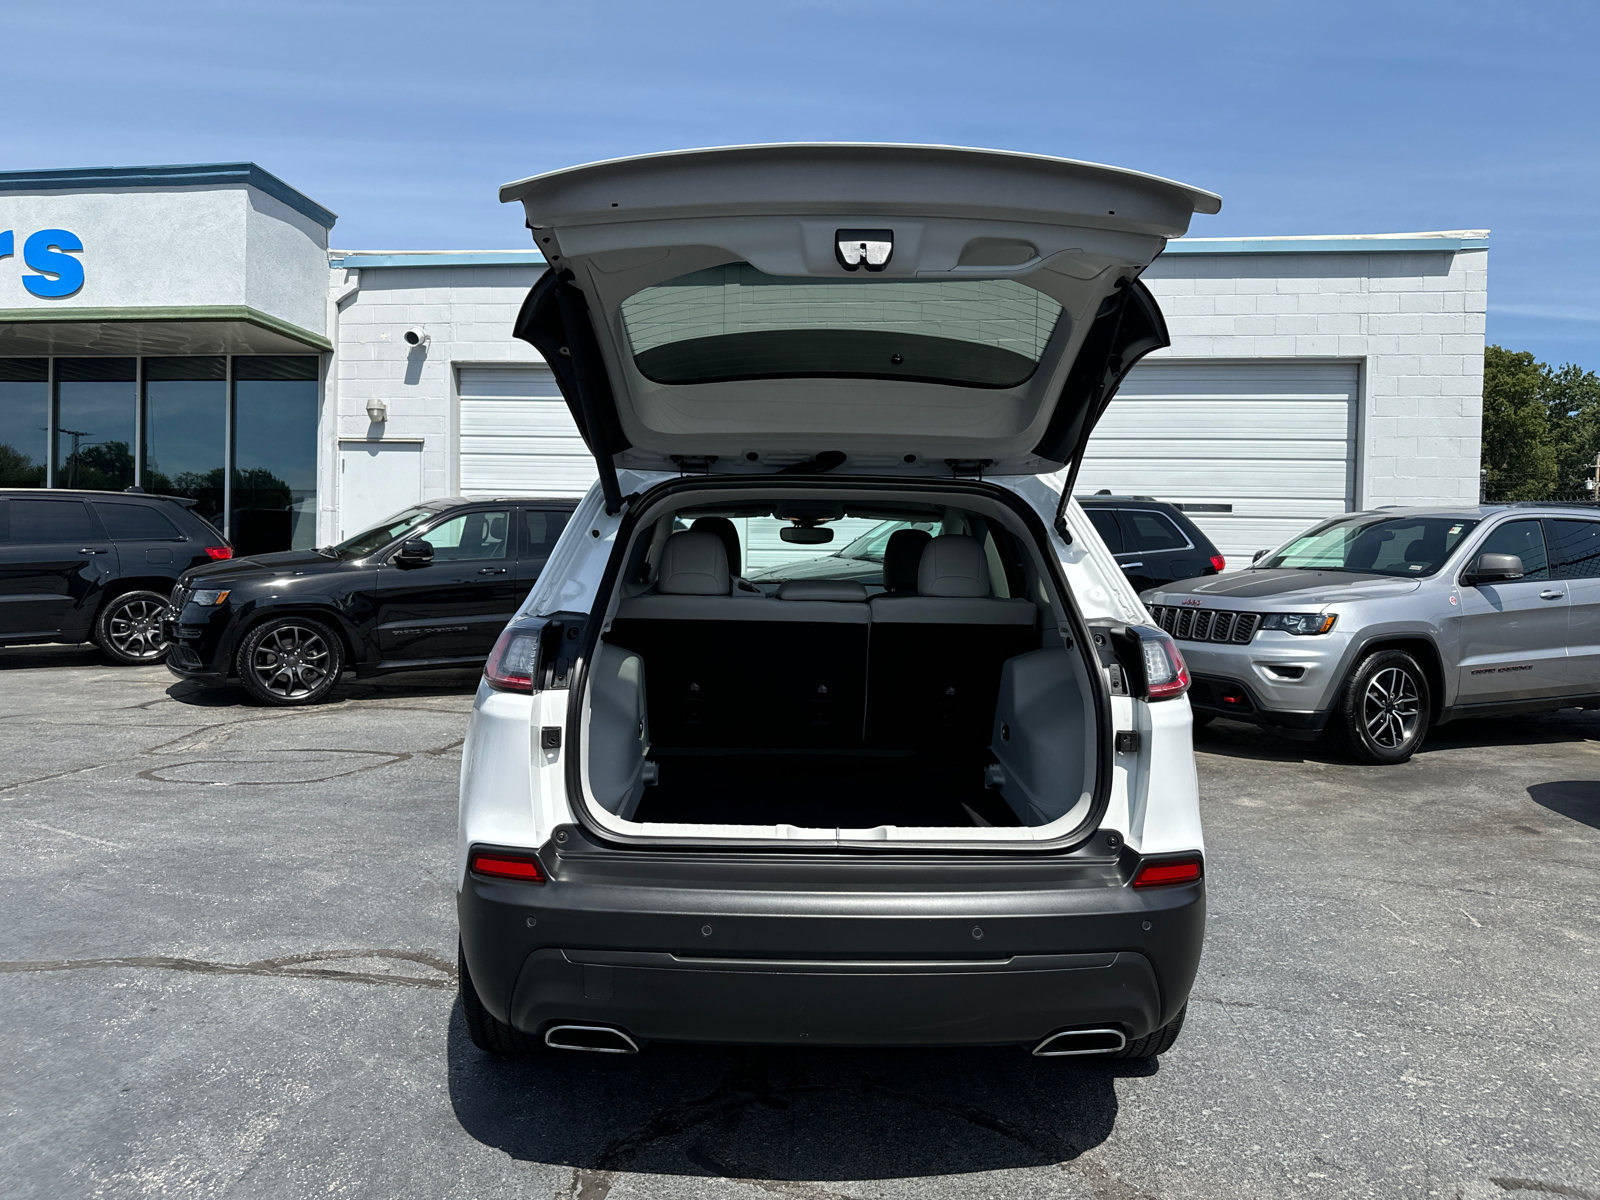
1383, 714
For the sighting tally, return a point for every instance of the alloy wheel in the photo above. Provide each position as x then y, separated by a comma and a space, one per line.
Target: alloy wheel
134, 628
291, 662
1391, 708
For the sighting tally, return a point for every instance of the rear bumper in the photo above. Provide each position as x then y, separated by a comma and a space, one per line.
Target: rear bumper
846, 964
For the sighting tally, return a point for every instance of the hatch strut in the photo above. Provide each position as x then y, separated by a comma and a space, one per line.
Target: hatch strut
1128, 326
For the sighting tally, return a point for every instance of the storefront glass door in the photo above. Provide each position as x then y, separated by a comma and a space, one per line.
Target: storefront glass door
96, 412
185, 430
24, 421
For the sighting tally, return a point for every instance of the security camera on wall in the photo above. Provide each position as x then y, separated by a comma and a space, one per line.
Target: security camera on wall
416, 337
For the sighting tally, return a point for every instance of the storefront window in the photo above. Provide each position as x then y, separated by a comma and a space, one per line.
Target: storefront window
96, 408
24, 421
275, 453
185, 434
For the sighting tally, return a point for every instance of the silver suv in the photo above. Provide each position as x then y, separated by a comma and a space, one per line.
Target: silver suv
1376, 625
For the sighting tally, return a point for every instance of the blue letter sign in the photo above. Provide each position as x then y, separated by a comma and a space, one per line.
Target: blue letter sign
44, 252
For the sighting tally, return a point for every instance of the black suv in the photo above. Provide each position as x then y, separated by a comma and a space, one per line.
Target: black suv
430, 587
79, 566
1154, 542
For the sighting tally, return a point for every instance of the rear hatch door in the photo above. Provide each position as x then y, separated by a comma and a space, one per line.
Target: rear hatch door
868, 309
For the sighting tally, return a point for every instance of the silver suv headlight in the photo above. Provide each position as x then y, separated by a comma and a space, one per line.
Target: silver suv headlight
1300, 623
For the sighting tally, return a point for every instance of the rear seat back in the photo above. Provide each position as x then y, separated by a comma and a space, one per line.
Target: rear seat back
936, 657
724, 669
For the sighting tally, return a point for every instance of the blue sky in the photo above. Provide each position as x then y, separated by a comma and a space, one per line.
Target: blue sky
1307, 118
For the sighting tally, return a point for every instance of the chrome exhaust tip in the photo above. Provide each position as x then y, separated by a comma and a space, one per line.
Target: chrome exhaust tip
1080, 1041
597, 1039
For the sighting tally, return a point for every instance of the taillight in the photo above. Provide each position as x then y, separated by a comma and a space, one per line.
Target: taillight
513, 660
497, 864
218, 553
1220, 563
1169, 870
1165, 674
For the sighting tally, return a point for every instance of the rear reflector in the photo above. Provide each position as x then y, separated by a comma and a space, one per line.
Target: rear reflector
218, 553
511, 662
503, 866
1180, 870
1220, 563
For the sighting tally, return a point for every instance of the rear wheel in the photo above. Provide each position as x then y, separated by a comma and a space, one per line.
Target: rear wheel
290, 660
128, 628
487, 1033
1155, 1043
1383, 715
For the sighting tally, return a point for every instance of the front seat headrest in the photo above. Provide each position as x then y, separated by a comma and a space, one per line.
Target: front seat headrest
725, 530
693, 564
953, 565
902, 557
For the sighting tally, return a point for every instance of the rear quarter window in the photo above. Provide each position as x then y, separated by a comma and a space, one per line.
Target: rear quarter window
135, 523
1151, 531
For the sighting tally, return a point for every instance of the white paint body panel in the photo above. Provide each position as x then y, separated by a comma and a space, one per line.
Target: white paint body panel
514, 794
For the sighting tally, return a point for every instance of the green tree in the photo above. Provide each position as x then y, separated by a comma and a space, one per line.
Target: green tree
1572, 406
1519, 454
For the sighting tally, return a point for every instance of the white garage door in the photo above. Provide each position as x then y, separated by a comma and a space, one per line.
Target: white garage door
1254, 452
517, 437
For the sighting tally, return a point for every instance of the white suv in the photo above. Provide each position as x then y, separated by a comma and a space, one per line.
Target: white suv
952, 806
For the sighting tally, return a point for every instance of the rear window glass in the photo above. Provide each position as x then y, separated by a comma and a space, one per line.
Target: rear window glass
50, 521
135, 522
1105, 523
1151, 531
734, 322
1575, 548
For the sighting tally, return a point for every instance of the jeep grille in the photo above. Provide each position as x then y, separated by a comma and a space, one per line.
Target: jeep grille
1206, 624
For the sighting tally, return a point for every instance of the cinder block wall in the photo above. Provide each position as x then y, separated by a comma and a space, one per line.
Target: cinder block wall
1413, 320
468, 312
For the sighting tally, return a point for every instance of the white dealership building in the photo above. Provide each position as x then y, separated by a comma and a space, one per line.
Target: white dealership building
192, 330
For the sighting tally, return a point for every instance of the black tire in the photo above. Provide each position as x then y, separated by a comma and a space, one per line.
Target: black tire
290, 660
1155, 1043
1382, 715
128, 628
487, 1033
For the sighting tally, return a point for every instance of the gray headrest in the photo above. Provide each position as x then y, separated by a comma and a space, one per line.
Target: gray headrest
953, 565
725, 530
902, 557
847, 590
693, 564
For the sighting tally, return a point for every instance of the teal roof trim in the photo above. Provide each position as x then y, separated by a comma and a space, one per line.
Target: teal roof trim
364, 261
1329, 245
101, 179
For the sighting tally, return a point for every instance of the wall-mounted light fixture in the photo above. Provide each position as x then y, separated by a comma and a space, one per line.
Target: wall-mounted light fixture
377, 411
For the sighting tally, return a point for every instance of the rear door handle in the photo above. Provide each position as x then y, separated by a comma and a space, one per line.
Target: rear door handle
92, 550
1551, 595
491, 570
1131, 566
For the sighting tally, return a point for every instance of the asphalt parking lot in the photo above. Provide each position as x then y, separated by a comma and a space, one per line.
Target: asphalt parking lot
227, 950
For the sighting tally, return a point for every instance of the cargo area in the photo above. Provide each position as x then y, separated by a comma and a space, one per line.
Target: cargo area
926, 686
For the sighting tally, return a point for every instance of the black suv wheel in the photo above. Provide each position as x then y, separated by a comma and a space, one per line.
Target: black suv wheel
290, 660
1383, 715
128, 628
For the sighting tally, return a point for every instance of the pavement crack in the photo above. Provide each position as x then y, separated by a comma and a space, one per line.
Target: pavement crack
82, 837
6, 787
289, 966
1535, 1185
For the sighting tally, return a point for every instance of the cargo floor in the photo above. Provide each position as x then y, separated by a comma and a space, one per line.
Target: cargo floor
848, 790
